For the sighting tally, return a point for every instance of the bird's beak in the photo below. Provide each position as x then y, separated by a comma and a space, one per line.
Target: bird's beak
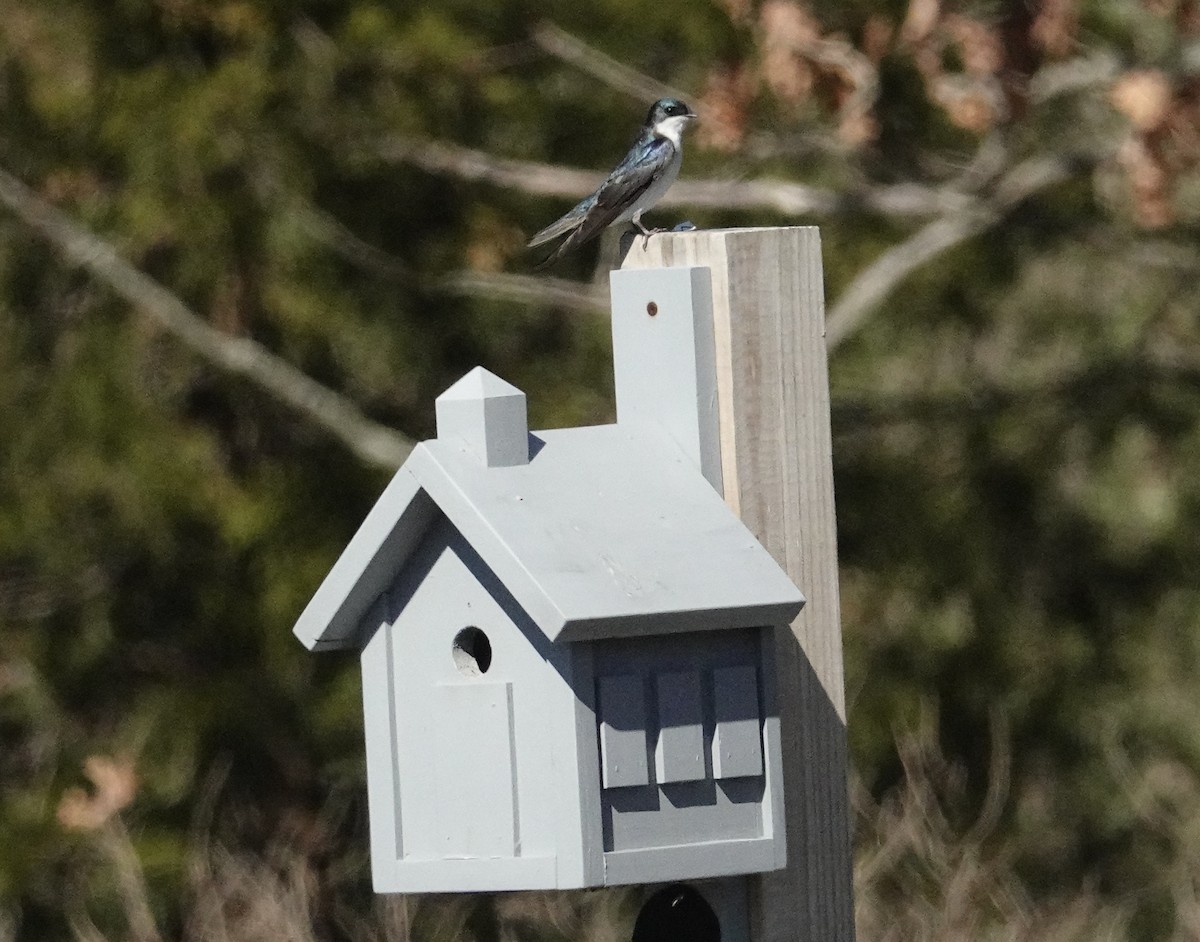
691, 115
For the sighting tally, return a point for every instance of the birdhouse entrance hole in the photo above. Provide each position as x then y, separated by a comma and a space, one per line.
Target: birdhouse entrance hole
472, 652
676, 912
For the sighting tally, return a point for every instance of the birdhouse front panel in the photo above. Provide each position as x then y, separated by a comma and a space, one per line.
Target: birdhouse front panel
688, 752
464, 730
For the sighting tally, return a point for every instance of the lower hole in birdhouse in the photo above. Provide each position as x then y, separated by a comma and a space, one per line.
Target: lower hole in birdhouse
472, 652
677, 912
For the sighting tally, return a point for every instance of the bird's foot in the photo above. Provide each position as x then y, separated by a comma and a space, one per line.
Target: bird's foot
647, 233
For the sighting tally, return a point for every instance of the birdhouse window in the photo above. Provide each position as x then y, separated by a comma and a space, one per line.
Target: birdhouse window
472, 652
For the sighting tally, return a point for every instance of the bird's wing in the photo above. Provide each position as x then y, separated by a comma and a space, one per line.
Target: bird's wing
644, 164
565, 223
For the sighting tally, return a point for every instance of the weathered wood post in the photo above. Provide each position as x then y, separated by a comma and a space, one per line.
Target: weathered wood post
760, 400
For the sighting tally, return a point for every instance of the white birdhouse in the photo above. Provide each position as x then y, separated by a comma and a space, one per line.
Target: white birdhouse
566, 642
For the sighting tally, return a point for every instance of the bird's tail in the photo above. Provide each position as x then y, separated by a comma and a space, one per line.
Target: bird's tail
565, 224
552, 231
573, 238
549, 259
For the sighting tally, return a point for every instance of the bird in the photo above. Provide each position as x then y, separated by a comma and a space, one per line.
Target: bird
638, 182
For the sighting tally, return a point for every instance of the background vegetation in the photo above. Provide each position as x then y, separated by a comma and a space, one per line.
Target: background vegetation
244, 243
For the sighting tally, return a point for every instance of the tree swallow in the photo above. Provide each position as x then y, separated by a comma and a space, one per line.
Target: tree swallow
639, 182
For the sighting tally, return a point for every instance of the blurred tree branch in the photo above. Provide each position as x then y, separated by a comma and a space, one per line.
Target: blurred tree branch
528, 289
371, 442
1138, 370
903, 200
1074, 75
131, 881
324, 228
573, 50
877, 280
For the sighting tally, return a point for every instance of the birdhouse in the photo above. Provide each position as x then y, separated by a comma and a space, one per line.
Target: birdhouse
567, 659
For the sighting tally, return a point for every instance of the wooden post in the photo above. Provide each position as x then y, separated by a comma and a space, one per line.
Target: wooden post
776, 466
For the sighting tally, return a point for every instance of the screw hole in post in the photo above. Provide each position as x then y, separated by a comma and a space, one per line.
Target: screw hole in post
472, 652
651, 308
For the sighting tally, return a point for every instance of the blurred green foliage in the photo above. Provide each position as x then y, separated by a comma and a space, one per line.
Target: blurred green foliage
1016, 440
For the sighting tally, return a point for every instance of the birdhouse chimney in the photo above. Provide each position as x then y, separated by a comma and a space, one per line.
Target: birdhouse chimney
664, 358
487, 415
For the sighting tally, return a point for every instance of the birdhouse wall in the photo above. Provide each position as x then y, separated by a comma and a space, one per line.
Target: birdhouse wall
471, 733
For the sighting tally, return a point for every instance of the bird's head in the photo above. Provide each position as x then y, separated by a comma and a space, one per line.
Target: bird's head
668, 117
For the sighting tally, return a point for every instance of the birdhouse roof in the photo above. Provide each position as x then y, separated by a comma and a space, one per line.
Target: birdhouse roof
605, 531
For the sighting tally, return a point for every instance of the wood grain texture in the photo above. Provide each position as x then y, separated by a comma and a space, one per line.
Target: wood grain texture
773, 392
